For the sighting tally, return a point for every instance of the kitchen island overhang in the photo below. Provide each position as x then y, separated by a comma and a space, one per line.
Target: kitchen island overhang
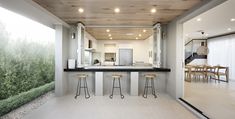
101, 73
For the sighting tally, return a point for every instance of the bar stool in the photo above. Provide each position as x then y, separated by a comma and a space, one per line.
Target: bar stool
81, 77
116, 77
150, 77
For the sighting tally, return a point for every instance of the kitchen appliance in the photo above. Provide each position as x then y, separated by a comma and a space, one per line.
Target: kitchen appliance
71, 63
125, 57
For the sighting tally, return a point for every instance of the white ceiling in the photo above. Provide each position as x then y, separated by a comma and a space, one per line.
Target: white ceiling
215, 21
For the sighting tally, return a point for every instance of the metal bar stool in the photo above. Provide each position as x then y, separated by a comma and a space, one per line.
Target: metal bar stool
81, 77
116, 77
150, 77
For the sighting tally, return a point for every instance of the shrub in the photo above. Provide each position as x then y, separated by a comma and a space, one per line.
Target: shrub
16, 101
24, 64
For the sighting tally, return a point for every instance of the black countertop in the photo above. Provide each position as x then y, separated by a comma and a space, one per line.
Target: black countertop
118, 69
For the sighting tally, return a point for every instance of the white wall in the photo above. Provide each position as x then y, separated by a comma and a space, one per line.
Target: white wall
72, 43
140, 48
90, 37
198, 62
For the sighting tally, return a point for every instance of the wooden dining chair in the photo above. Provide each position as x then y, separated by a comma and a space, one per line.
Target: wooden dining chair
222, 71
198, 73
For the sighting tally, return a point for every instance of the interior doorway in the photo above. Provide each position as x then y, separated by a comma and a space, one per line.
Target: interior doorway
209, 83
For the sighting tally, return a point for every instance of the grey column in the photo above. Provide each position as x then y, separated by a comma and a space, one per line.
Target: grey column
61, 56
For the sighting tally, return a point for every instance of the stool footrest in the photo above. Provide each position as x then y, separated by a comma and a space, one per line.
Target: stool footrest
116, 87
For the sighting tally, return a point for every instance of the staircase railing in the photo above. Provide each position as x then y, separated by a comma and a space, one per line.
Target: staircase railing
188, 49
191, 48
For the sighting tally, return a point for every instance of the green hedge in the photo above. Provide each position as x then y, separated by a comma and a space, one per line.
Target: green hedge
24, 64
16, 101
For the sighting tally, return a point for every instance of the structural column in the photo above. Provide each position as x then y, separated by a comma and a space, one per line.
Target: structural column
80, 50
134, 88
99, 83
157, 45
61, 56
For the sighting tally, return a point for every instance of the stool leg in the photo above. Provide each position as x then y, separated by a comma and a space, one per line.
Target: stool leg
111, 96
77, 90
86, 87
80, 86
153, 89
122, 96
145, 88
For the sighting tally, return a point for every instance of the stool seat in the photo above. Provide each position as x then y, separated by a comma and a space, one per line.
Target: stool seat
150, 76
116, 76
81, 76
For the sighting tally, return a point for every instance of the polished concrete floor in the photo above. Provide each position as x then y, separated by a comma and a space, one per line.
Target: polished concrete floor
216, 100
102, 107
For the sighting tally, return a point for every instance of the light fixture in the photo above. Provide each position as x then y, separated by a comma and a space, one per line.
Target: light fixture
73, 35
153, 10
140, 35
229, 29
136, 38
206, 34
144, 30
116, 10
232, 19
186, 35
110, 38
199, 19
110, 35
81, 10
107, 30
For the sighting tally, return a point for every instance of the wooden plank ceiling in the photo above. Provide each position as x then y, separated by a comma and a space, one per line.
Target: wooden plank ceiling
132, 13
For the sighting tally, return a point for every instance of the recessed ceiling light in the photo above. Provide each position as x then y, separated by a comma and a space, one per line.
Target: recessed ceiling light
81, 10
199, 19
116, 10
233, 19
111, 38
186, 35
207, 34
140, 35
110, 35
136, 38
229, 29
153, 10
144, 30
107, 30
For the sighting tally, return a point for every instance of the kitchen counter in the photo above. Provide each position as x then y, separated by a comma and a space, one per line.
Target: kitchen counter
132, 76
119, 69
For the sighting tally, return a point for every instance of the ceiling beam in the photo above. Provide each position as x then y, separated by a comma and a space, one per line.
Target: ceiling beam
117, 26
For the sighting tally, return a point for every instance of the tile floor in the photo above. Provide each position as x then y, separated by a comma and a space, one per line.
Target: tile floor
216, 100
102, 107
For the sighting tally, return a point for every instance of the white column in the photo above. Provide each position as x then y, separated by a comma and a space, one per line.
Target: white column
80, 50
99, 83
157, 45
134, 84
61, 53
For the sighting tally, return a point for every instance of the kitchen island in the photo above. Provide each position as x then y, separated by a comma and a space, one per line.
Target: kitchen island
132, 75
118, 69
